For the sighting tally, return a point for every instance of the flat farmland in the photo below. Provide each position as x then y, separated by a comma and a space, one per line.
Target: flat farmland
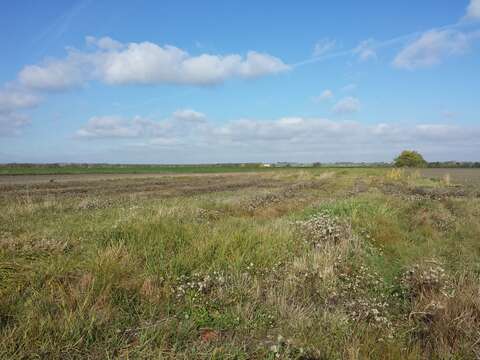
461, 176
292, 264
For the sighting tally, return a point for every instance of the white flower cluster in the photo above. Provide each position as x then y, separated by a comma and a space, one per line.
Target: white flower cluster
198, 284
362, 294
322, 228
425, 278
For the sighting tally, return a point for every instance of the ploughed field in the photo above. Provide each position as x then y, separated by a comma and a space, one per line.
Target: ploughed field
291, 263
462, 176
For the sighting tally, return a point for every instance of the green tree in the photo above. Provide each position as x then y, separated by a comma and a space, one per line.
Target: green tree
410, 158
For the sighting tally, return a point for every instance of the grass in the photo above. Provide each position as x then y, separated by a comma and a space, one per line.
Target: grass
75, 169
124, 169
302, 264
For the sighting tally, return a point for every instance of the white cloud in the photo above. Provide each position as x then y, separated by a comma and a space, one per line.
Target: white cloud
323, 46
259, 64
145, 63
366, 50
432, 47
109, 126
444, 132
112, 126
289, 138
104, 43
347, 105
473, 10
11, 124
12, 99
288, 129
189, 115
324, 96
56, 75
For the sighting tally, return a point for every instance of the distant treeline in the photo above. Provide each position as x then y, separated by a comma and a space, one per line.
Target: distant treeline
454, 164
52, 168
107, 165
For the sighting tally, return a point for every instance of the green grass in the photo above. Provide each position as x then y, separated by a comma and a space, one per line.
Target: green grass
124, 169
72, 169
206, 275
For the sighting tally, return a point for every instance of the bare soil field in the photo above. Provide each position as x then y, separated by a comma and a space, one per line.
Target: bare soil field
42, 179
134, 184
461, 176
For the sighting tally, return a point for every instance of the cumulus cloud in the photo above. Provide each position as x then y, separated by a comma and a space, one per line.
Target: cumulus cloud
145, 63
366, 50
347, 105
104, 43
56, 75
189, 115
288, 138
180, 123
473, 10
288, 130
445, 132
12, 124
235, 131
323, 46
432, 47
113, 126
109, 126
285, 130
324, 96
13, 100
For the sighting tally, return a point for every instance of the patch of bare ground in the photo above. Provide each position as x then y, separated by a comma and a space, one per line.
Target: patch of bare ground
277, 202
149, 186
458, 176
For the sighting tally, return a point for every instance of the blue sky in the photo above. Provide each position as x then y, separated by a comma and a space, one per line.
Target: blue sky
217, 81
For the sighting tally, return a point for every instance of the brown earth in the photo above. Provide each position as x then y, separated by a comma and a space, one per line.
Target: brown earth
130, 184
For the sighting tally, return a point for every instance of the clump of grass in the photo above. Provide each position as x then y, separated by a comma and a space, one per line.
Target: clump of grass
446, 179
422, 280
395, 174
448, 323
414, 175
322, 228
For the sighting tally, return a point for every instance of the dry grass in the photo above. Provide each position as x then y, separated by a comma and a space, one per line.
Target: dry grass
298, 264
447, 321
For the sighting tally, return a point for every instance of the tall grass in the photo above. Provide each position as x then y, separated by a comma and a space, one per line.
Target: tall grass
205, 276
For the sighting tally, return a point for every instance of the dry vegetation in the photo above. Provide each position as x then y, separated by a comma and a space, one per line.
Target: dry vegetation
293, 264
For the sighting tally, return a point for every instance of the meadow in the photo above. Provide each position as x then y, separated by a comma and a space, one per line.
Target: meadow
273, 264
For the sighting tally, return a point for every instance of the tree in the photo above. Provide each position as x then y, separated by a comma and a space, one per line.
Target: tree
410, 158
